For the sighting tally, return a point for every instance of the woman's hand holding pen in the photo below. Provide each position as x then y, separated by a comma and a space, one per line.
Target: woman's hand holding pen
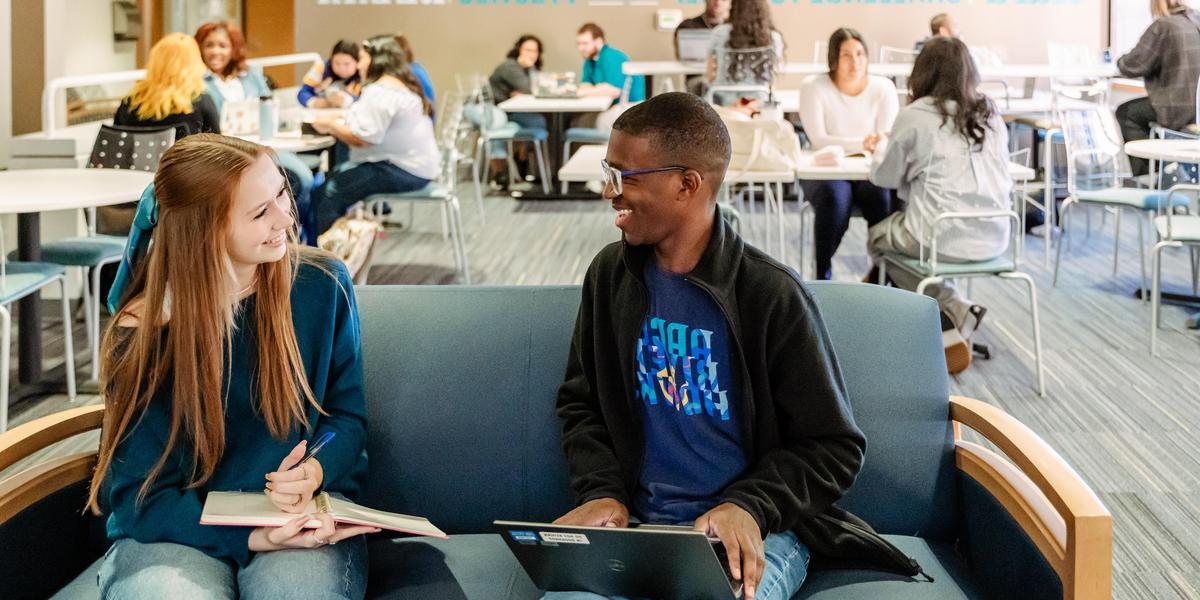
290, 489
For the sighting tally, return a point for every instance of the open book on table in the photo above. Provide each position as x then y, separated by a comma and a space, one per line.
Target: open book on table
254, 509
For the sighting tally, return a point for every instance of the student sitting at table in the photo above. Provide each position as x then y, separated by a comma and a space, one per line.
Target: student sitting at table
231, 348
229, 79
333, 83
715, 13
389, 131
850, 109
172, 93
732, 56
947, 152
512, 78
418, 71
1168, 57
602, 75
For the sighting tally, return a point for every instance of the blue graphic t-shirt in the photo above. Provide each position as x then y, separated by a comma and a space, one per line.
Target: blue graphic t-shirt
691, 420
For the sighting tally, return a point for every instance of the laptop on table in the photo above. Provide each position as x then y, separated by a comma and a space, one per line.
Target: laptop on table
693, 46
645, 561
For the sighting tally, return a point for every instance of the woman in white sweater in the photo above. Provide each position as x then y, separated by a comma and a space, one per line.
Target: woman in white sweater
847, 108
948, 152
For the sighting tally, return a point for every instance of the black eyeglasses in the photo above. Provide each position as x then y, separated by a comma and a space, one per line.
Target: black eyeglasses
613, 175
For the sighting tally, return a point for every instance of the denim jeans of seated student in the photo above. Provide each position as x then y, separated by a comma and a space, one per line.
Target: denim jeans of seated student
786, 569
353, 182
136, 571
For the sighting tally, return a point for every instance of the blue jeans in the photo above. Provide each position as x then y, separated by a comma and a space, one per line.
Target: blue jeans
352, 183
784, 573
300, 179
831, 202
133, 570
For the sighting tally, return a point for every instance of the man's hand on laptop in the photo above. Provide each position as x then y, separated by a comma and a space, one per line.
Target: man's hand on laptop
739, 533
602, 512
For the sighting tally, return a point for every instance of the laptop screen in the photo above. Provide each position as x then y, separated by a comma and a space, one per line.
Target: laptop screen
693, 45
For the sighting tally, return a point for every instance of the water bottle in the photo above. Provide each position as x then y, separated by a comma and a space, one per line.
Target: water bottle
266, 118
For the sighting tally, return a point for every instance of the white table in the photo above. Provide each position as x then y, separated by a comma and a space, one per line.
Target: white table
1013, 71
1185, 151
293, 141
27, 193
557, 108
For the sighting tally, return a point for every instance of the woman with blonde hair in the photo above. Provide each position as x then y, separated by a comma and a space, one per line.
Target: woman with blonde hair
1168, 57
231, 348
172, 94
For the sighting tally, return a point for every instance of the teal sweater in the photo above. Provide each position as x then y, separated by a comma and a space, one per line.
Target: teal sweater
325, 315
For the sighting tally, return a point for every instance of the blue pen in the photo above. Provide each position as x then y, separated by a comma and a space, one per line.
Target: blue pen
316, 447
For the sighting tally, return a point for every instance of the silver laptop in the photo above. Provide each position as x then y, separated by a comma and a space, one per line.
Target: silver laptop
693, 45
622, 562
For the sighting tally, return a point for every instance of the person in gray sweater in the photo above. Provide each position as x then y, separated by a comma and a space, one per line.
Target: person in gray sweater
1168, 57
947, 152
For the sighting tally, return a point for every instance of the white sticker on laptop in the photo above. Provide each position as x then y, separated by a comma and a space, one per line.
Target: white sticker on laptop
559, 537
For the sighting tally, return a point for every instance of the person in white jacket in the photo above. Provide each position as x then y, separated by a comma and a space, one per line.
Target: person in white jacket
947, 152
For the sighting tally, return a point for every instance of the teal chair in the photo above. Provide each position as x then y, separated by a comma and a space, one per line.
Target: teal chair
461, 383
1096, 169
19, 280
129, 148
579, 136
932, 270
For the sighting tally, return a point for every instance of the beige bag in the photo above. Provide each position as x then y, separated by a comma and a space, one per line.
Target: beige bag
352, 239
759, 144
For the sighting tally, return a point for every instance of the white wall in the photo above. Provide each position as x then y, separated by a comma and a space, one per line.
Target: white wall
5, 79
79, 40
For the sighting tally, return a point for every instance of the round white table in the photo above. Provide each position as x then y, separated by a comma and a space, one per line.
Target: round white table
27, 193
1187, 151
1184, 151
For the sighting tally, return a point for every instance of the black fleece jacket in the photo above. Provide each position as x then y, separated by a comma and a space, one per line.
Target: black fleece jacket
799, 436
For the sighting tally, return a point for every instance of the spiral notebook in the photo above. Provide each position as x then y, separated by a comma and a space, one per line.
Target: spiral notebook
254, 509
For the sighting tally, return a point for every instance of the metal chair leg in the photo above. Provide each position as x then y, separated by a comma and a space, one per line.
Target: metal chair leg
1142, 256
1066, 214
86, 295
566, 155
1037, 326
68, 343
543, 170
456, 216
1117, 240
6, 340
95, 324
1156, 277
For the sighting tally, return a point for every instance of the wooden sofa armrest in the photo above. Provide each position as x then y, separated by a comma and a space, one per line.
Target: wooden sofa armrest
26, 487
1050, 501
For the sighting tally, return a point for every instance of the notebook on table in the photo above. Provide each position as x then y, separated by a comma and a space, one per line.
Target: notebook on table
254, 509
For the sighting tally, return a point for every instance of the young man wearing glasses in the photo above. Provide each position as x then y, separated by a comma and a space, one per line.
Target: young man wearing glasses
701, 385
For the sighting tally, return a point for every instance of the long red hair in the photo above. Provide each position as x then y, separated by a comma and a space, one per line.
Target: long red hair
183, 282
237, 45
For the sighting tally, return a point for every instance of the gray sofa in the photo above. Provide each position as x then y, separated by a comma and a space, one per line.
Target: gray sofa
461, 385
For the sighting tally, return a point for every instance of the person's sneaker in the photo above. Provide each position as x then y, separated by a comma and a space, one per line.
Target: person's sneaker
972, 321
1040, 231
595, 187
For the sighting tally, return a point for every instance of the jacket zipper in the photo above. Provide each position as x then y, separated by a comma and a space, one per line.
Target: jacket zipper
875, 540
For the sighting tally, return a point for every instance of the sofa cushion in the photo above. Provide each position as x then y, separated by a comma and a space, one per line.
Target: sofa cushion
463, 567
948, 570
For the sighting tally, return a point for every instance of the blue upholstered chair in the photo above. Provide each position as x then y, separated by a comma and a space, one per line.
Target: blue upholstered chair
461, 383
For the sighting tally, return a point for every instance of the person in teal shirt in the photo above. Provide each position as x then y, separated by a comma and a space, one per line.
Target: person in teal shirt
231, 348
602, 63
